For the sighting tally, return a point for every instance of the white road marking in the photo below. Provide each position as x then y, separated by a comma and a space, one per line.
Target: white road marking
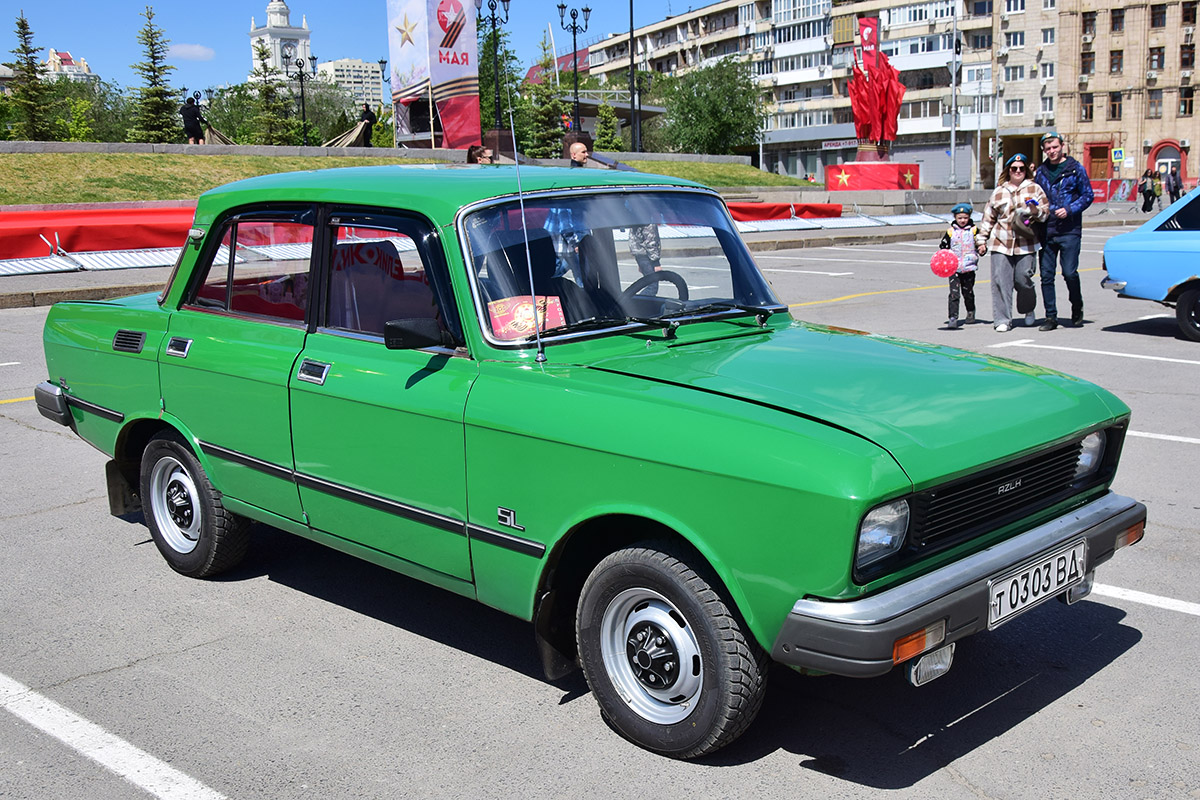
806, 272
134, 765
1166, 437
1168, 603
862, 260
1029, 343
10, 364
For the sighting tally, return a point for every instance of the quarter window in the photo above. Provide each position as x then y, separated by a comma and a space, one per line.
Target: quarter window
261, 267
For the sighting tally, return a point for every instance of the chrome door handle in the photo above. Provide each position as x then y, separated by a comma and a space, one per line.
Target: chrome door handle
178, 346
313, 372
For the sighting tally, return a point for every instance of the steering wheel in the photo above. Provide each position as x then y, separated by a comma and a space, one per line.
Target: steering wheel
658, 276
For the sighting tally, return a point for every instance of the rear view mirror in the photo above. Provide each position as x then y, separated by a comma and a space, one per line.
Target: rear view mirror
414, 334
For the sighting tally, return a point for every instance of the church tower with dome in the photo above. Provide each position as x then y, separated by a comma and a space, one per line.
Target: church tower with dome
284, 43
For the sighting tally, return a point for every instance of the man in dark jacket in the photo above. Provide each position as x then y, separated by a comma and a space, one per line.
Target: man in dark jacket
367, 116
1174, 185
1066, 184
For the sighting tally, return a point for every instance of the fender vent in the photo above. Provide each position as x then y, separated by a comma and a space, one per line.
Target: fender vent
129, 341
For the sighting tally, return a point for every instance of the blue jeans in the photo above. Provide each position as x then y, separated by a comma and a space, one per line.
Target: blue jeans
1064, 249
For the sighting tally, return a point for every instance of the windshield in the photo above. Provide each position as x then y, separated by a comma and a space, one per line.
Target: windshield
604, 260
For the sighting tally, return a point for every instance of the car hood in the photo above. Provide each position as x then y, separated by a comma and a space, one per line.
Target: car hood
937, 410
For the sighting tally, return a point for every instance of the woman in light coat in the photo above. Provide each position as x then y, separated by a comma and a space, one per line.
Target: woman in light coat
1005, 229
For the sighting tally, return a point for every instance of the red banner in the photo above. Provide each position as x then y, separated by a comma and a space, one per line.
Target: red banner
872, 175
868, 36
89, 230
756, 212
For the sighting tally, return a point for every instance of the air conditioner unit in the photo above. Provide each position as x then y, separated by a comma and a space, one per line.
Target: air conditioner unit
1146, 143
1083, 79
1044, 80
1185, 76
1087, 38
1185, 143
1004, 16
1151, 75
1000, 89
1190, 30
1003, 52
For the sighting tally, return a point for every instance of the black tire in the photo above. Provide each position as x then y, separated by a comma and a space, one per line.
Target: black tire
194, 532
669, 664
1187, 313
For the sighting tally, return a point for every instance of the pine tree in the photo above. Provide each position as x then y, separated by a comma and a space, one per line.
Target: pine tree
156, 115
607, 137
29, 91
540, 129
272, 124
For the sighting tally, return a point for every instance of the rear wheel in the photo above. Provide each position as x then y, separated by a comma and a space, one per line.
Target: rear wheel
1187, 312
669, 663
194, 532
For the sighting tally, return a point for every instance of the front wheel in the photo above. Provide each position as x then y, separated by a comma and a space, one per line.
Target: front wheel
193, 531
669, 663
1187, 313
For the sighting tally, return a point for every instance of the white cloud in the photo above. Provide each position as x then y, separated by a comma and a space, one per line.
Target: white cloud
191, 52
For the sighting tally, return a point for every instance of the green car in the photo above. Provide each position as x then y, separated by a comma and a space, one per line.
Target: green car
571, 395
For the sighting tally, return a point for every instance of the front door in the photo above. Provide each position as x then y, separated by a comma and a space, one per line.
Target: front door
378, 434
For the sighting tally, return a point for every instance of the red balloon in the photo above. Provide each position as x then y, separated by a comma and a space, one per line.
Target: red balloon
944, 263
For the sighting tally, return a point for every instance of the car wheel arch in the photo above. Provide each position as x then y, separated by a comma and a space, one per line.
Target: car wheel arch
572, 559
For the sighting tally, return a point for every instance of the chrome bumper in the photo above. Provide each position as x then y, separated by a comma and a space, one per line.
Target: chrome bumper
855, 637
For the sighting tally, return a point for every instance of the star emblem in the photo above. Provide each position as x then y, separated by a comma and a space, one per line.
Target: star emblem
908, 177
406, 32
843, 178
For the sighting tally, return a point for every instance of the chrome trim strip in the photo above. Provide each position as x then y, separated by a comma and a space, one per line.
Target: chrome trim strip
1002, 556
399, 509
517, 544
274, 470
100, 411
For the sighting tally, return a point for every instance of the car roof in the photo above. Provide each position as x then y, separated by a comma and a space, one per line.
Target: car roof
437, 190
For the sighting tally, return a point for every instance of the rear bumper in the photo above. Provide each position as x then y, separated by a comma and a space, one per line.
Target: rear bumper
855, 638
52, 403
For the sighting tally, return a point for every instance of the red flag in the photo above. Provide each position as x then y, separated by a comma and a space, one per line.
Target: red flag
868, 35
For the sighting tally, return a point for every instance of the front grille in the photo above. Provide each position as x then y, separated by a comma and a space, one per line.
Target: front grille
129, 341
991, 499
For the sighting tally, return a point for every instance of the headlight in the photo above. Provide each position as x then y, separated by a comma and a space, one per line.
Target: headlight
1091, 453
882, 532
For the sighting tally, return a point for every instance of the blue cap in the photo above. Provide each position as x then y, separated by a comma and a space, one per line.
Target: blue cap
1016, 157
1051, 135
963, 208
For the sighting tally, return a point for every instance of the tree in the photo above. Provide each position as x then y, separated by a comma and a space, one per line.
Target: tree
715, 109
488, 42
382, 134
539, 127
156, 113
29, 95
232, 111
95, 111
271, 125
607, 137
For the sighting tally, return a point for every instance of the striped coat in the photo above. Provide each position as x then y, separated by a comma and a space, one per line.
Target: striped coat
996, 230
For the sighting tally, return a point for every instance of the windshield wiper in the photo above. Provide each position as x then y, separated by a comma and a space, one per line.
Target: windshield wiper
760, 314
589, 324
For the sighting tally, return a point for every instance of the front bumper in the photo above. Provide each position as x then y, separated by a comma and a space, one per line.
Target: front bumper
855, 637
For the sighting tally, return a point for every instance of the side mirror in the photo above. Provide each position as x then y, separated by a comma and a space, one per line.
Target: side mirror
413, 334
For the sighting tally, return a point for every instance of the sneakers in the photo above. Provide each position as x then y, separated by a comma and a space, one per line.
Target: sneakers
970, 317
1030, 319
1077, 318
1050, 324
1001, 328
952, 323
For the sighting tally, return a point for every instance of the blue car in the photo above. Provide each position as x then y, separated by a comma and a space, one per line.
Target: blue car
1161, 261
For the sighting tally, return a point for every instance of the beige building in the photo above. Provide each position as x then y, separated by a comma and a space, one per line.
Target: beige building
1128, 77
362, 80
61, 64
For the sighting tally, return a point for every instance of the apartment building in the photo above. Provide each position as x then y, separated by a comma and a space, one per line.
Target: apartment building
61, 64
1127, 85
363, 80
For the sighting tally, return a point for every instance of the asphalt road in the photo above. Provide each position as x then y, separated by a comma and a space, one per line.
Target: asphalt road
306, 673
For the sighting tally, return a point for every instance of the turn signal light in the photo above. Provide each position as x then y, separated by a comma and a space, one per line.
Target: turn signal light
918, 642
1131, 535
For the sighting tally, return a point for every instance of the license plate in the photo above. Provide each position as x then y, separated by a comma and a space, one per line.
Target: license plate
1019, 591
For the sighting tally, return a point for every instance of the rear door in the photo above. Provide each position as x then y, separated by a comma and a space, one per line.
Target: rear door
378, 433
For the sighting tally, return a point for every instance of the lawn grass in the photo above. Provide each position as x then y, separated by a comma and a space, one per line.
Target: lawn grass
35, 178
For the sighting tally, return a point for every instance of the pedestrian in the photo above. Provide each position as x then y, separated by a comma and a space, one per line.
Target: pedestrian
1005, 229
960, 240
368, 117
478, 154
579, 154
1146, 187
193, 122
646, 248
1174, 184
1069, 192
1157, 182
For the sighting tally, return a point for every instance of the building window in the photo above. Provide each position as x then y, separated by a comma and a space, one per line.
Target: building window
1048, 4
1154, 103
975, 74
1187, 56
1116, 61
1158, 57
1014, 39
1114, 105
1047, 105
1188, 10
1187, 100
1014, 6
1118, 20
1047, 35
1087, 63
981, 41
1048, 69
1014, 108
1158, 16
1014, 74
1087, 107
981, 8
1089, 23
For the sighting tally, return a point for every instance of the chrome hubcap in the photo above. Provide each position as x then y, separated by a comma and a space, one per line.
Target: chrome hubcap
175, 505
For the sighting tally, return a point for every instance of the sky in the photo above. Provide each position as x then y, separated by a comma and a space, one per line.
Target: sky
210, 42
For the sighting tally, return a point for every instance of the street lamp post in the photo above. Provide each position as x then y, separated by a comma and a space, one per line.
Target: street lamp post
383, 74
635, 122
496, 23
303, 76
575, 29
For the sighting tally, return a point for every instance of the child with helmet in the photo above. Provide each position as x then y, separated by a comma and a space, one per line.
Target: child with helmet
959, 239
